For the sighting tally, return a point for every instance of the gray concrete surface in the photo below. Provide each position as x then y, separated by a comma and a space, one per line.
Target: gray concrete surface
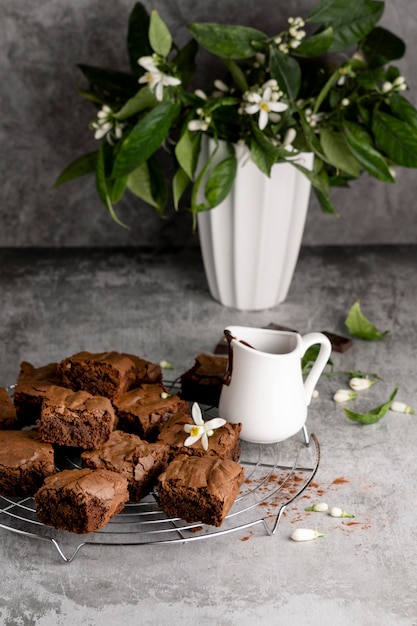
44, 125
362, 572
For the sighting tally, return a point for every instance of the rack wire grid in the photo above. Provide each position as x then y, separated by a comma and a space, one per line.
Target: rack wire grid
275, 475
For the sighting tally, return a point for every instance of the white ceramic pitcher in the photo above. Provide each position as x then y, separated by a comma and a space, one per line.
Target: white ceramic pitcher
263, 387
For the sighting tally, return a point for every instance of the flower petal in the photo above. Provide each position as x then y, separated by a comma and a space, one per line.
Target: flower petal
263, 119
191, 440
216, 422
204, 441
196, 413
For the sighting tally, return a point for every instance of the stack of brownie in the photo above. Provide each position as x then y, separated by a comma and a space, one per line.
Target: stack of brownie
113, 409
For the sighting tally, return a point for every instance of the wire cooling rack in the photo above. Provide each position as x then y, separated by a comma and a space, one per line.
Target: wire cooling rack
275, 475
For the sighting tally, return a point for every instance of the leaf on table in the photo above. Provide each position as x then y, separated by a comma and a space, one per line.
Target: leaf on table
374, 415
359, 326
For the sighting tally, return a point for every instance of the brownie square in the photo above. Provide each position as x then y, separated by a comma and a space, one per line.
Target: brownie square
146, 371
32, 385
25, 461
81, 500
106, 373
203, 382
141, 462
224, 442
199, 489
76, 418
8, 416
144, 410
101, 374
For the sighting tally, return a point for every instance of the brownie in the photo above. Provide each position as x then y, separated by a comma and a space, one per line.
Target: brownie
199, 489
224, 442
76, 418
146, 371
81, 500
25, 461
141, 462
107, 373
31, 387
143, 410
203, 382
8, 416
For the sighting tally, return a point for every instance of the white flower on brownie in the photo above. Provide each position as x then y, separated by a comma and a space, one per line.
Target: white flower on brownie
201, 429
156, 79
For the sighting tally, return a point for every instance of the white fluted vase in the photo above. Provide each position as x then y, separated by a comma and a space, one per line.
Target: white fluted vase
251, 241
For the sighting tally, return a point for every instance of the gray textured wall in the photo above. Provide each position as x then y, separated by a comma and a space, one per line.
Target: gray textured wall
44, 125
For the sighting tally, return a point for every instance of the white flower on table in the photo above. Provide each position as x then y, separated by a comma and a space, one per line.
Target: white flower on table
201, 429
266, 102
156, 79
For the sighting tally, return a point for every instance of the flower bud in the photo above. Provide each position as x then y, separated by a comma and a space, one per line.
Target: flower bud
344, 395
319, 508
306, 534
335, 511
359, 384
401, 407
166, 365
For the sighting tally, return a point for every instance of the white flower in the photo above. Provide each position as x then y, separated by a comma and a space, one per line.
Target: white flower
401, 407
359, 384
156, 79
306, 534
106, 125
195, 125
387, 86
320, 507
335, 511
201, 429
266, 104
344, 395
345, 102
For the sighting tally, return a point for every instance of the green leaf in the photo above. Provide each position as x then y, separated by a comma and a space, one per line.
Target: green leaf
85, 164
361, 145
229, 42
180, 183
286, 72
102, 186
145, 138
114, 84
237, 74
140, 183
185, 61
325, 202
396, 138
263, 153
117, 189
144, 99
221, 180
381, 46
317, 44
404, 110
351, 21
337, 152
374, 415
359, 326
187, 151
159, 35
137, 37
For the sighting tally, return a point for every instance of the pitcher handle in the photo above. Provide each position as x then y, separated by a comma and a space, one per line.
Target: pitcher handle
307, 341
